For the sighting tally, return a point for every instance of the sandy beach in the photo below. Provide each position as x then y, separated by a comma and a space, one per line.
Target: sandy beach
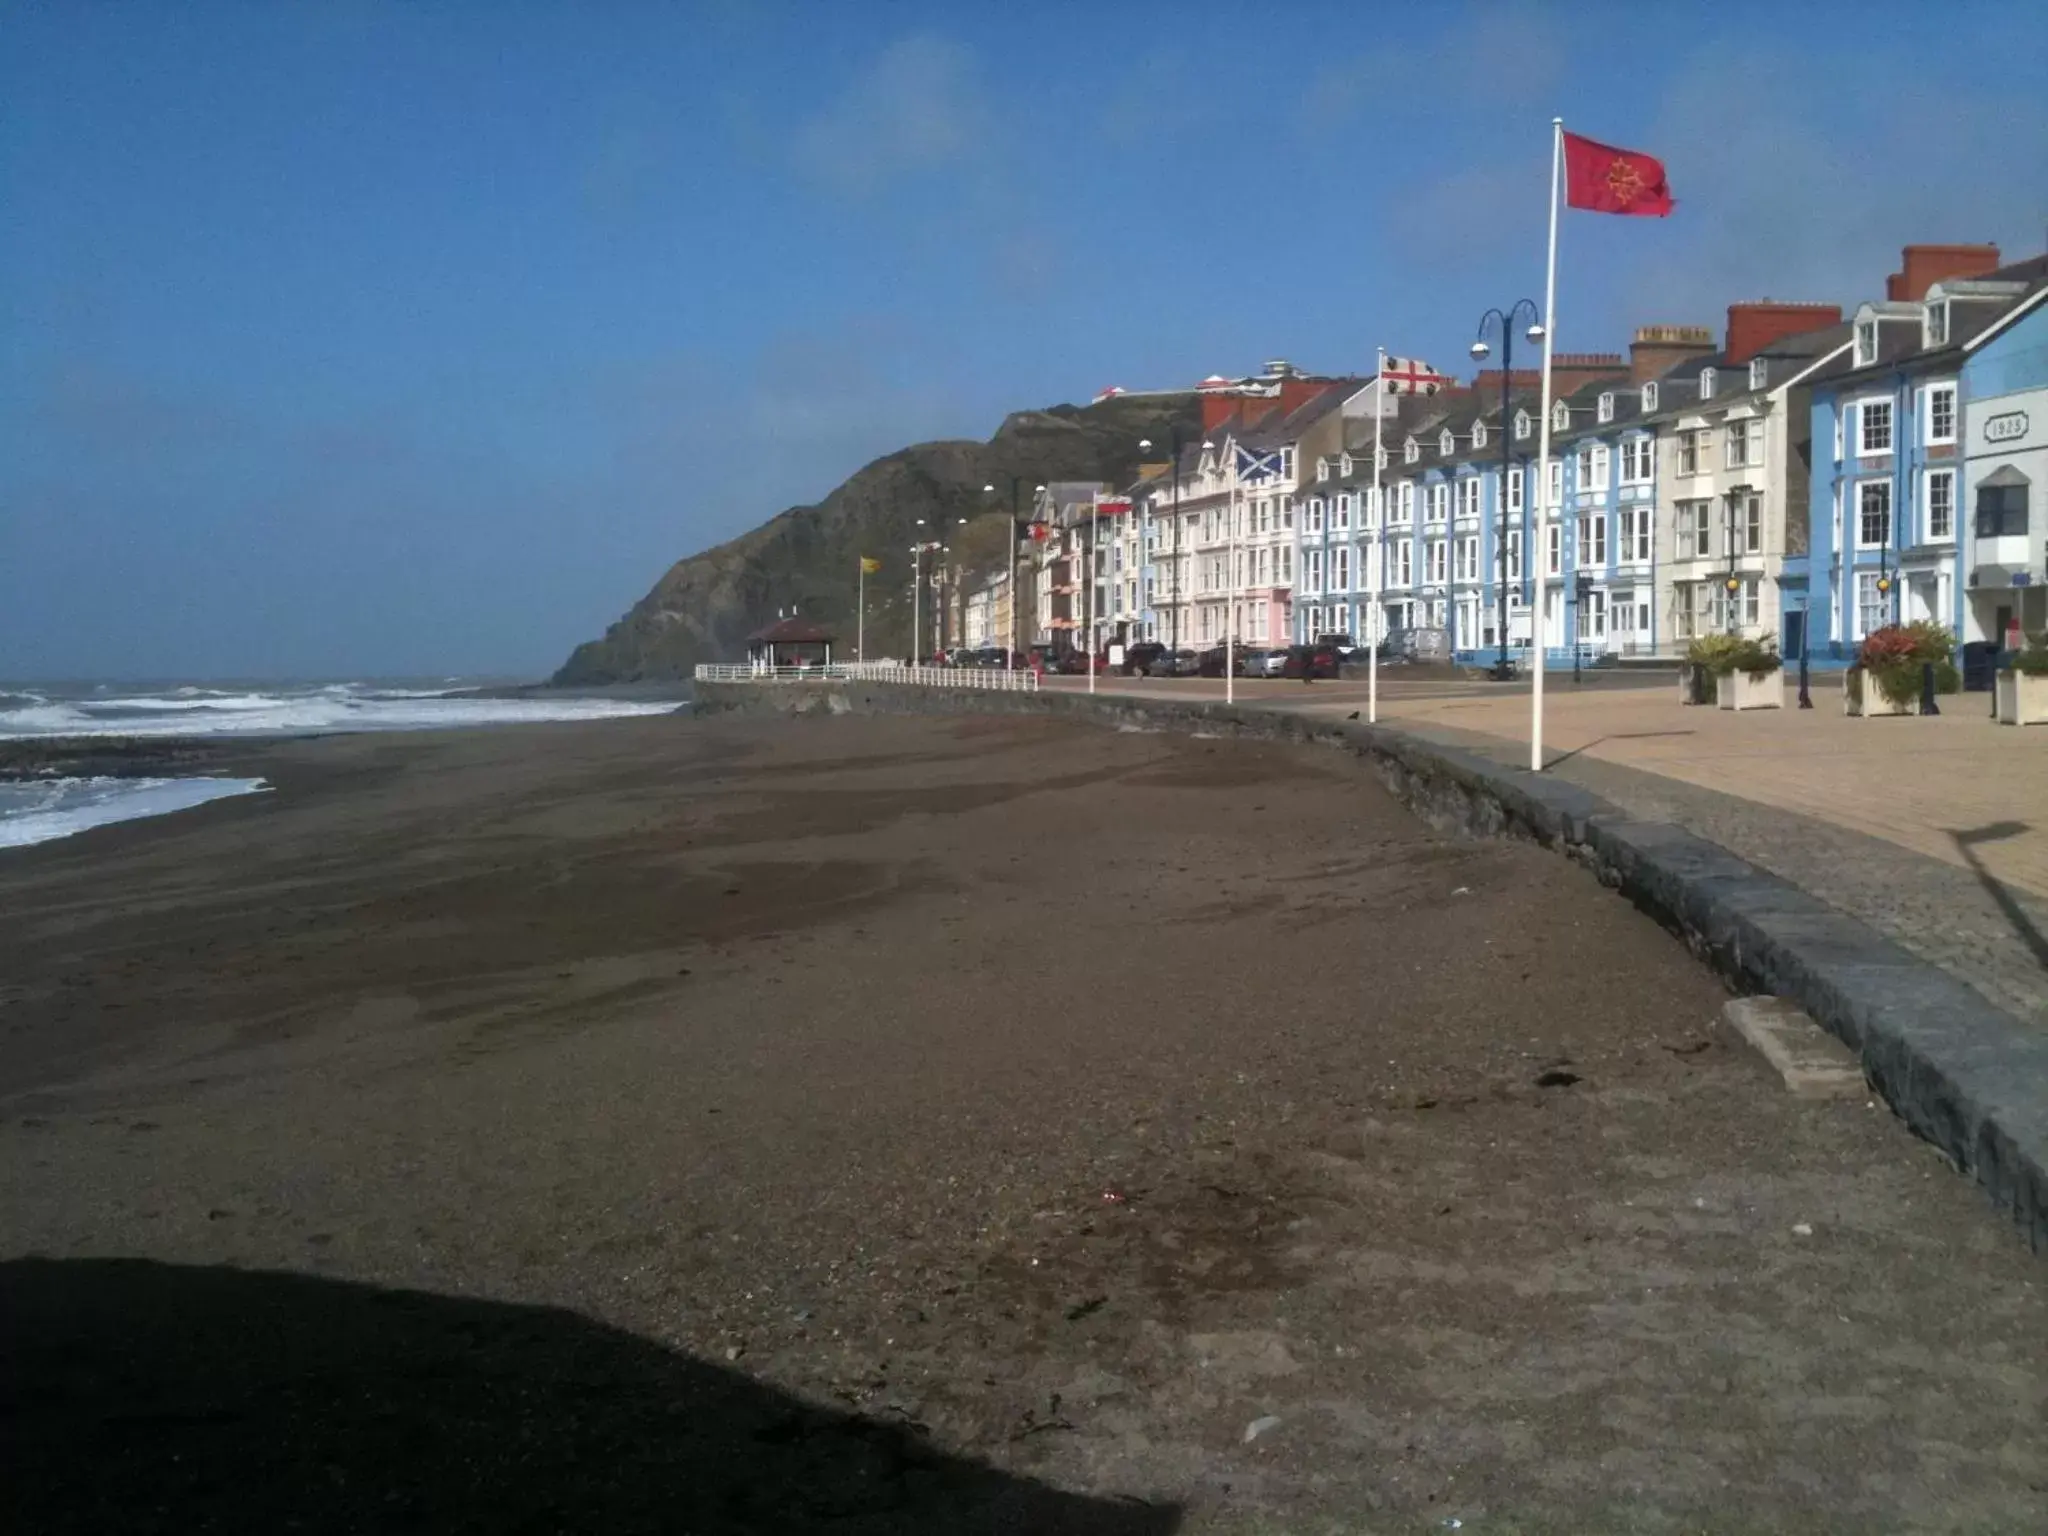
937, 1125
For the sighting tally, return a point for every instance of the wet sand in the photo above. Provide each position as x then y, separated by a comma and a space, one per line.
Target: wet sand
938, 1125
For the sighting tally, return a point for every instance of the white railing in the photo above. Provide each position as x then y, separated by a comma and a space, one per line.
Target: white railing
1018, 680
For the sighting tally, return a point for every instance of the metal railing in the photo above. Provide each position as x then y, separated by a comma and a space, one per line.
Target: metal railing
997, 679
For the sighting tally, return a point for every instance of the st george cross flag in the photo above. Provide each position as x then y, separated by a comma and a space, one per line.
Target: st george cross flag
1410, 376
1609, 180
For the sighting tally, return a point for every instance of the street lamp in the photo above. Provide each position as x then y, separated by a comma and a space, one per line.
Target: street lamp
1017, 538
1504, 322
1174, 446
1583, 587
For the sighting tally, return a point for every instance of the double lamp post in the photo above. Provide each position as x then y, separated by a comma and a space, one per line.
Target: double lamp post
1504, 322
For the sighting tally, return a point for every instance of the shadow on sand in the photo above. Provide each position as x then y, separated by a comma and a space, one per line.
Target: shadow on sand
148, 1397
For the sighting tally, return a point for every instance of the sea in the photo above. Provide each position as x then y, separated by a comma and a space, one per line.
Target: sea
40, 807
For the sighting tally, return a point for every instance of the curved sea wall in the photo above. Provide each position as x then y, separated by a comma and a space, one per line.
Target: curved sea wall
1961, 1073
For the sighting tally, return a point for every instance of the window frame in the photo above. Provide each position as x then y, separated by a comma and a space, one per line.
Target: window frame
1929, 396
1864, 488
1467, 492
1929, 478
1864, 409
2004, 528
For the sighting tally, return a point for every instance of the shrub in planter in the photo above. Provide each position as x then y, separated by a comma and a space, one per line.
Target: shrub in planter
1891, 659
2022, 687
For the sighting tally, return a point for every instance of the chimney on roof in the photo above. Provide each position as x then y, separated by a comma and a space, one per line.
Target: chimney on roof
1486, 382
1571, 371
1658, 349
1922, 266
1754, 326
1297, 389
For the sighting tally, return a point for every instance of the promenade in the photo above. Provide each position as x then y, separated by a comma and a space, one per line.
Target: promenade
1934, 831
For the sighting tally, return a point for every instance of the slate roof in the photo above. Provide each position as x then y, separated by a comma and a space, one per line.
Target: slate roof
792, 632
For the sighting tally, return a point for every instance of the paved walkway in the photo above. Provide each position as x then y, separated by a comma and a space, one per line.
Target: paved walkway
1933, 831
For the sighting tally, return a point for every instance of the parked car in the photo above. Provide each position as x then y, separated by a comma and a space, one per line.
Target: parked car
1211, 662
1315, 660
1181, 663
1139, 659
1251, 661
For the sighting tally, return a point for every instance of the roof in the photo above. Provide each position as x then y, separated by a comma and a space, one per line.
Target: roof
792, 632
1977, 307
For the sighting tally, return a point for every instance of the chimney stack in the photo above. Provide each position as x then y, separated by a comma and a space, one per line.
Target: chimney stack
1754, 326
1573, 371
1922, 266
1658, 349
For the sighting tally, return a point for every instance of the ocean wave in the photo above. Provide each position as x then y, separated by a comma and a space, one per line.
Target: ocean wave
48, 809
196, 711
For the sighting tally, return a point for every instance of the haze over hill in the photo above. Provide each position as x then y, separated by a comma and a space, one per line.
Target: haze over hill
807, 557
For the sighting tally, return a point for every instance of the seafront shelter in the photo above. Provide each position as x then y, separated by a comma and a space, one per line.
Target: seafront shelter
791, 643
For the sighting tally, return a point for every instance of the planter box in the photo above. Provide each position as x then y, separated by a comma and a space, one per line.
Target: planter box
1873, 703
1695, 684
2022, 700
1744, 690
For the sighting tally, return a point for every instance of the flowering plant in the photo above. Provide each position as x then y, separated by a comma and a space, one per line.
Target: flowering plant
1893, 657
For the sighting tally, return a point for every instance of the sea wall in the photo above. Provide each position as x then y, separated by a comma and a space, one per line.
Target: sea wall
1964, 1075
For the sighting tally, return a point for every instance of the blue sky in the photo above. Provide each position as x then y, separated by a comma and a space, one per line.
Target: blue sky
340, 339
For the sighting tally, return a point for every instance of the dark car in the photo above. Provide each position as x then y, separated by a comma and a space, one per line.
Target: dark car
1212, 662
1175, 664
1314, 660
1140, 659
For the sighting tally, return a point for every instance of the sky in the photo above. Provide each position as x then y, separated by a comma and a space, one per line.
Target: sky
354, 339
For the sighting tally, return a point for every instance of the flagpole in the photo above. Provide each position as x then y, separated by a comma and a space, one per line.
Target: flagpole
860, 622
1379, 573
1542, 549
1230, 587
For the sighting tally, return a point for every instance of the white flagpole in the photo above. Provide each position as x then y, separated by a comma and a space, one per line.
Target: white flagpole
860, 623
1542, 523
1230, 586
1094, 543
1379, 570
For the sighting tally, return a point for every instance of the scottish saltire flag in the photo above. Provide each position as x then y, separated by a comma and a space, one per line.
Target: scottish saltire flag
1254, 465
1410, 376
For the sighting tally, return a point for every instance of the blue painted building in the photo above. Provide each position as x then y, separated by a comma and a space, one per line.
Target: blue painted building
1900, 470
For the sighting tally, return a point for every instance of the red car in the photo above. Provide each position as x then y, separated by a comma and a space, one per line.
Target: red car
1317, 660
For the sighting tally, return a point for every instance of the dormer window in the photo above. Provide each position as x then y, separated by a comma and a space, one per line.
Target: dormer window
1759, 373
1607, 406
1866, 343
1345, 465
1560, 417
1411, 451
1937, 324
1446, 445
1478, 434
1521, 425
1322, 469
1649, 397
1706, 383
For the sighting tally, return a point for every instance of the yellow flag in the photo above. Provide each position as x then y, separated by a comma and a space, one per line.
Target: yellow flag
870, 566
